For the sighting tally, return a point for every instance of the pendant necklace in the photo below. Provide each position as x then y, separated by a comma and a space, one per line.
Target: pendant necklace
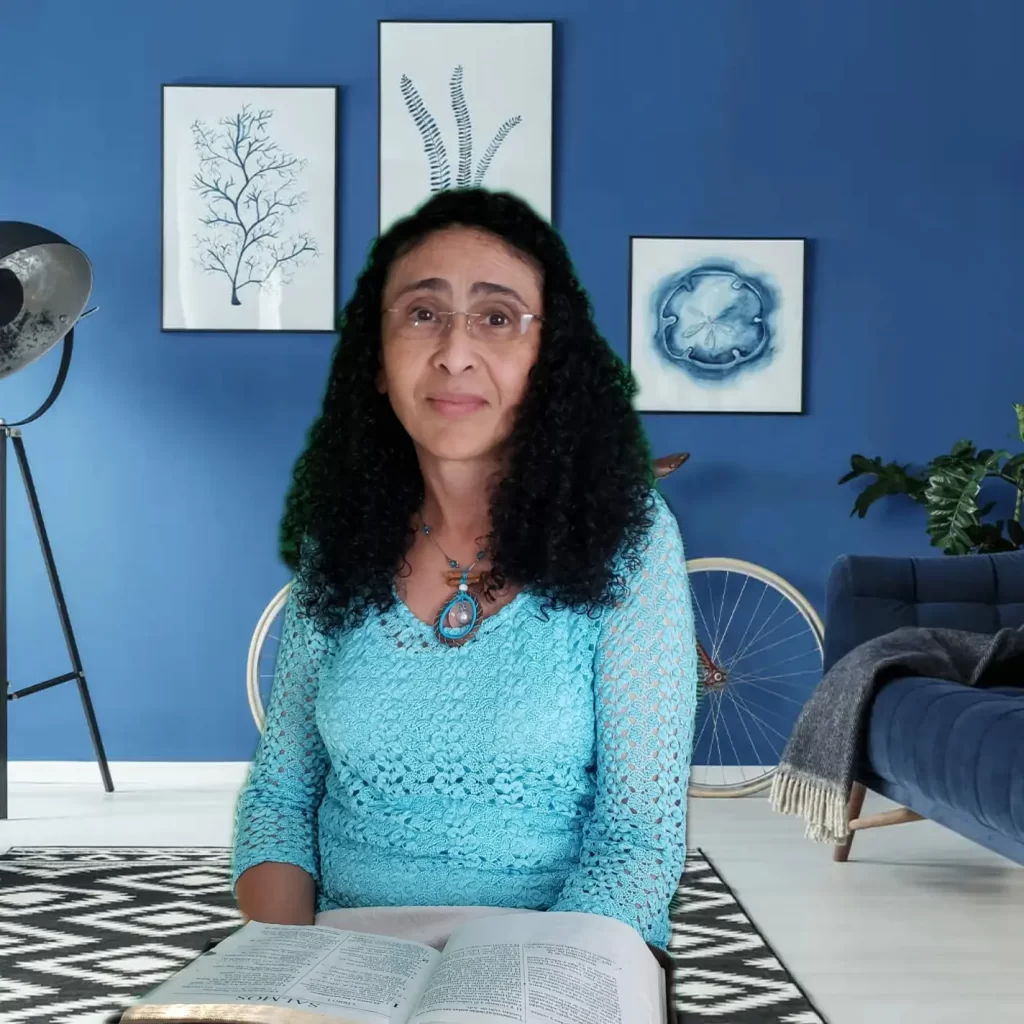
460, 616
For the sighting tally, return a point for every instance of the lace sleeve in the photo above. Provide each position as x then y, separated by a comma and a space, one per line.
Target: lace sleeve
275, 818
645, 675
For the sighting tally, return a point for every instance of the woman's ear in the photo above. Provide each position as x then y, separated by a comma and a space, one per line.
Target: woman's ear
382, 383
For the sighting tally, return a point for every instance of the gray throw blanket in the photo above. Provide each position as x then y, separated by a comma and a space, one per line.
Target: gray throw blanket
815, 774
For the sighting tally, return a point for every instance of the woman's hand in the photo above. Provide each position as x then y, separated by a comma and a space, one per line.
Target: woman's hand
276, 893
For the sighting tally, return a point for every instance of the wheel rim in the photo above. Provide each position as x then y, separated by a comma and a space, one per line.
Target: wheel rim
263, 656
761, 658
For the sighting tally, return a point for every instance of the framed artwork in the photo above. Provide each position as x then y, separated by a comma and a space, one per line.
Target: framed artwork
249, 195
717, 324
464, 104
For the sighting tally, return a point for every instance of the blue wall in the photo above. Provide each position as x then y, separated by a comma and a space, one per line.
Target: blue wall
888, 133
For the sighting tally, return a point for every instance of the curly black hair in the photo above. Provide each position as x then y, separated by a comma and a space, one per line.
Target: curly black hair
577, 492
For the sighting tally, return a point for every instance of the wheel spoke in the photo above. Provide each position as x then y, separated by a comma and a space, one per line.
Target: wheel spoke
739, 677
700, 610
744, 713
732, 614
703, 725
774, 644
776, 748
753, 616
741, 654
714, 618
736, 753
785, 661
743, 722
715, 709
741, 701
781, 696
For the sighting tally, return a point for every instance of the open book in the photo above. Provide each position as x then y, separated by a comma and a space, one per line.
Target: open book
541, 968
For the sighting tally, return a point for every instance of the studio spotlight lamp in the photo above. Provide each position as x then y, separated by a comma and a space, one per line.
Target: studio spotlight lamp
45, 284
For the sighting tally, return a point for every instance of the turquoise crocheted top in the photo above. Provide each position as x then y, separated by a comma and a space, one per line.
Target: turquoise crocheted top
543, 764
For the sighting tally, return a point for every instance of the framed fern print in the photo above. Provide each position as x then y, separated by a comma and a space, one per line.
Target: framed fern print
464, 103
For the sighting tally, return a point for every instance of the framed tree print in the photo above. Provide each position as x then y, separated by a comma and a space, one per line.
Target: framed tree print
464, 104
717, 324
249, 193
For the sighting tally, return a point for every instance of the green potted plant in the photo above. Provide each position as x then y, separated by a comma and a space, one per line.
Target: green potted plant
949, 488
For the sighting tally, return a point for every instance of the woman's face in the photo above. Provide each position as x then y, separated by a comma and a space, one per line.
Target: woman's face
455, 388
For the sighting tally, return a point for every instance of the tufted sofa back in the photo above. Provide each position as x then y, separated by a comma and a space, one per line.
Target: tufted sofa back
868, 596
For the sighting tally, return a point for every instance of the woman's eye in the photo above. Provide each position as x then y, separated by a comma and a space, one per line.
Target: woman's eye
497, 319
422, 315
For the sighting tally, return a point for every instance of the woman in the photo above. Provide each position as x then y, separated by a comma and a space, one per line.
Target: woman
485, 691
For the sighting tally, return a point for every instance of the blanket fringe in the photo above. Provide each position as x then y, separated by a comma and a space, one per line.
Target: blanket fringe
822, 804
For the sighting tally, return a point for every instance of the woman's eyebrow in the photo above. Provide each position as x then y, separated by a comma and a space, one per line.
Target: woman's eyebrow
490, 288
430, 284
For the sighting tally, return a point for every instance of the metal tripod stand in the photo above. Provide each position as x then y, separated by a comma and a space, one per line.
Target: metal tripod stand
11, 434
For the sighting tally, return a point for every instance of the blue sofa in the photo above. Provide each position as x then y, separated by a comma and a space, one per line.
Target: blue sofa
950, 753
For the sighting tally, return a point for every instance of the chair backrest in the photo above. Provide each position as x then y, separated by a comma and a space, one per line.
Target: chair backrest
868, 596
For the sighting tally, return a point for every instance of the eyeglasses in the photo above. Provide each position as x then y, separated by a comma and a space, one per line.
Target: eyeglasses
488, 325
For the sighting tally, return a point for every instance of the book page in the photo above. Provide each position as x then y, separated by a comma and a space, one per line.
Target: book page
362, 979
557, 968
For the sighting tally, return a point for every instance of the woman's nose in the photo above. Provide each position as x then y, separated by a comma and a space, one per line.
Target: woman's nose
455, 350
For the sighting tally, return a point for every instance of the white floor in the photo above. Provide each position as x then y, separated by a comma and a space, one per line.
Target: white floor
920, 926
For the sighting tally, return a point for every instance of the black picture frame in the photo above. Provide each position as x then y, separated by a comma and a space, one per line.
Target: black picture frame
805, 244
552, 26
333, 233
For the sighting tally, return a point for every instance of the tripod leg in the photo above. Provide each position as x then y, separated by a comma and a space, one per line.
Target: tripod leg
3, 622
62, 611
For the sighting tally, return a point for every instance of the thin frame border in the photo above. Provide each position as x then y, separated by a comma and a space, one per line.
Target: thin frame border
805, 242
336, 89
381, 22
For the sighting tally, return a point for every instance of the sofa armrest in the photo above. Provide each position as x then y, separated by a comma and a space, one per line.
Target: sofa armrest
868, 596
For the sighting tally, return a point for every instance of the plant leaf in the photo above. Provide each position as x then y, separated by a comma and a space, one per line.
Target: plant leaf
1013, 466
952, 500
879, 489
890, 478
1016, 533
961, 449
1019, 410
861, 466
499, 137
988, 538
464, 176
433, 143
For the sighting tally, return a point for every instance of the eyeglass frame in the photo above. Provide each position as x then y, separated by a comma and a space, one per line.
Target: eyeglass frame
448, 315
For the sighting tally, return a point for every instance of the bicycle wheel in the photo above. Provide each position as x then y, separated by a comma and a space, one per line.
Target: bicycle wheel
759, 657
259, 669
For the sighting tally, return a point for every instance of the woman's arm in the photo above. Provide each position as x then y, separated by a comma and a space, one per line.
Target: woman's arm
645, 676
275, 862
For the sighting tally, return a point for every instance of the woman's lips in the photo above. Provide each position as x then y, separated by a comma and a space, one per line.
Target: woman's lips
456, 405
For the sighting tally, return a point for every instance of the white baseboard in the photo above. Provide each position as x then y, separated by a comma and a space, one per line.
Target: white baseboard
156, 774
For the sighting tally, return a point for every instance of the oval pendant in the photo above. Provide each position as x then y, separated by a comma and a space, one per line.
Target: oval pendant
457, 621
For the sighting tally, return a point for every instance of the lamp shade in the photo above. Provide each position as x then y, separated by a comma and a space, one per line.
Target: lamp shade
44, 285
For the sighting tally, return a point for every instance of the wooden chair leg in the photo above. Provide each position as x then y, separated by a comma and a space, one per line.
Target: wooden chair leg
841, 851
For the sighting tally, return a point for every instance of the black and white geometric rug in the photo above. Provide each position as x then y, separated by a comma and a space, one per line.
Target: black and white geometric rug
86, 931
725, 970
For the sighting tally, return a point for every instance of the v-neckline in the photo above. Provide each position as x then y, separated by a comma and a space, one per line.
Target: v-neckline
412, 616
